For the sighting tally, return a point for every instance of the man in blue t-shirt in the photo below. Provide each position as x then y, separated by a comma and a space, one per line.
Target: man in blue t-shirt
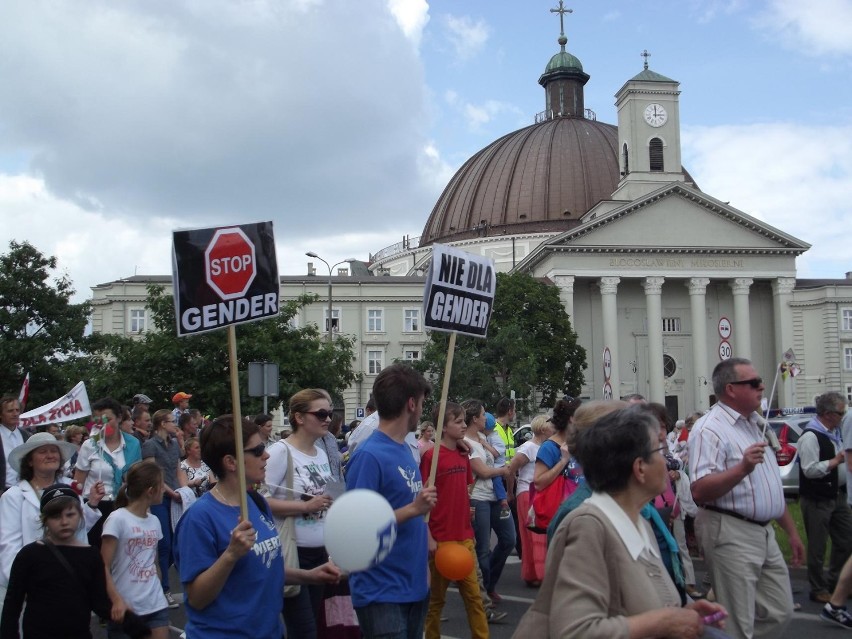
391, 599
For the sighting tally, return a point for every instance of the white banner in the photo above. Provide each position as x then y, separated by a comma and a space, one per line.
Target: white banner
73, 405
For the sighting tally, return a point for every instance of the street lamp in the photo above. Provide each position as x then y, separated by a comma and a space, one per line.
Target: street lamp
330, 268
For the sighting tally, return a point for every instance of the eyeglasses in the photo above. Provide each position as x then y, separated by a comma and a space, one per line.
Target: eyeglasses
257, 451
755, 382
838, 413
661, 450
321, 414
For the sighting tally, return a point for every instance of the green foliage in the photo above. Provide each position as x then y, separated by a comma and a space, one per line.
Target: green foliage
161, 363
41, 331
531, 348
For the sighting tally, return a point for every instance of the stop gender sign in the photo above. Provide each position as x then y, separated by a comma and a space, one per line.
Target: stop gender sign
223, 276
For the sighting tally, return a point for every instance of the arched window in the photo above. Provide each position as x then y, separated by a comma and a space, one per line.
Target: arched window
625, 158
655, 154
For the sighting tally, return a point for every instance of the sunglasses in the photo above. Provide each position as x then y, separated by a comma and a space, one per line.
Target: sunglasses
257, 451
321, 414
755, 382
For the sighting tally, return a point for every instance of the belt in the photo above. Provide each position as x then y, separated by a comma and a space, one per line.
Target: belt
735, 515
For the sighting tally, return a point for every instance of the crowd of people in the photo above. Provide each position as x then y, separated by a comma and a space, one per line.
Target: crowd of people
596, 504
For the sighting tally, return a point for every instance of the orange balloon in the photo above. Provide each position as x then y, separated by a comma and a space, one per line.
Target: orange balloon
454, 561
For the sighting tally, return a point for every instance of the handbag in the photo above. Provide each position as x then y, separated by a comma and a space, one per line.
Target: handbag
286, 527
546, 502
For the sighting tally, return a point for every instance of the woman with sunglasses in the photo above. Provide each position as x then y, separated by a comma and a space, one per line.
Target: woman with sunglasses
232, 570
310, 416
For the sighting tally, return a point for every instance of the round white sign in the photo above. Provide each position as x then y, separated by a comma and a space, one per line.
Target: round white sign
607, 391
725, 328
725, 350
607, 363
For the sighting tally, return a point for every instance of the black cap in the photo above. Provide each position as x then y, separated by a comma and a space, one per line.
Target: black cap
54, 492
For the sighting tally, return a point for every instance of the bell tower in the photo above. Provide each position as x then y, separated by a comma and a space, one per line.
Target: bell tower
648, 133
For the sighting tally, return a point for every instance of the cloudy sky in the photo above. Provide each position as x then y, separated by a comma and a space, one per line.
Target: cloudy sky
342, 121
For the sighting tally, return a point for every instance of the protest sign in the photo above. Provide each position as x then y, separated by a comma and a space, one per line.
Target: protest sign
73, 405
459, 292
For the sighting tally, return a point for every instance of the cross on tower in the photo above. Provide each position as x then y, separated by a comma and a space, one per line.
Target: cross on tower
561, 10
645, 55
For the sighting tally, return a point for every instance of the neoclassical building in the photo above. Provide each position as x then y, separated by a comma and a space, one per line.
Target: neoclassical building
660, 279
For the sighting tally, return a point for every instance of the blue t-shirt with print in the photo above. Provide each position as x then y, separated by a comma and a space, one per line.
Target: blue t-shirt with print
383, 465
249, 604
550, 453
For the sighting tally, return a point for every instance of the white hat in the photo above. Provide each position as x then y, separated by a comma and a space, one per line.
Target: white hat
66, 449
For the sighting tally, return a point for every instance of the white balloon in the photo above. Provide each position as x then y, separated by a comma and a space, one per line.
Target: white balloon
360, 529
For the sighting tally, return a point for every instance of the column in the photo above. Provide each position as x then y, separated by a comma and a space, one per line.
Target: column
609, 310
742, 324
701, 371
654, 307
565, 283
782, 293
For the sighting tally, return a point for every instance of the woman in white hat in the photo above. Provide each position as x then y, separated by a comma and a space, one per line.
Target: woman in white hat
39, 462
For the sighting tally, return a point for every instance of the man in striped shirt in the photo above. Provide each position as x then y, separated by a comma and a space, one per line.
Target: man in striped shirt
736, 481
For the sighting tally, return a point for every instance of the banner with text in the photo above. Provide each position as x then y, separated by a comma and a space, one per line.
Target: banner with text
459, 293
223, 276
73, 405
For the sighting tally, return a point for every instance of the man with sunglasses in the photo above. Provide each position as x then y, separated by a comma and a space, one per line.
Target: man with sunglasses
737, 484
822, 494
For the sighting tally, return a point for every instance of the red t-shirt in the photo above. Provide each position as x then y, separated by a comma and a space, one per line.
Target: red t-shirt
450, 518
684, 435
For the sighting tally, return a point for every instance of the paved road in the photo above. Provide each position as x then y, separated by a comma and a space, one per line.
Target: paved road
517, 598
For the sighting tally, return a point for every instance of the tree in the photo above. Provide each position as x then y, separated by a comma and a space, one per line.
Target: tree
161, 363
41, 331
531, 348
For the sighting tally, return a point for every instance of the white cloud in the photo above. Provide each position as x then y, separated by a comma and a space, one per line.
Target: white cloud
797, 178
412, 16
478, 115
467, 36
822, 27
121, 122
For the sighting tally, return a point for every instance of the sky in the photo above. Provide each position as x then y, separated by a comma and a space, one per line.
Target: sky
343, 121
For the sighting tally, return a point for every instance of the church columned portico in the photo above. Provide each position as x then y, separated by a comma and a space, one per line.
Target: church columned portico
653, 302
609, 309
698, 314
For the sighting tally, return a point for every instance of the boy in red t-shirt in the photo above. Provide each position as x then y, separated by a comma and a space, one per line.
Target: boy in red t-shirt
449, 522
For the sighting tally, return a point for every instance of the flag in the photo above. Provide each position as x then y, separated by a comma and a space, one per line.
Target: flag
24, 395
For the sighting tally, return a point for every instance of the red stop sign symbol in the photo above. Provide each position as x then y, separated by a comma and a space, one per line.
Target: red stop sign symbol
229, 263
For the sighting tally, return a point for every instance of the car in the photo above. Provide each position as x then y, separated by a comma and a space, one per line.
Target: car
523, 434
788, 428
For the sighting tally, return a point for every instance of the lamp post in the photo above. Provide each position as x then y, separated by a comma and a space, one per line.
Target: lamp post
330, 268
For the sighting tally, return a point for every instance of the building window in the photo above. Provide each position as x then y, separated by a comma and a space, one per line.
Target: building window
849, 394
669, 366
335, 319
847, 358
625, 159
411, 355
137, 320
655, 154
375, 320
671, 325
374, 362
846, 314
411, 321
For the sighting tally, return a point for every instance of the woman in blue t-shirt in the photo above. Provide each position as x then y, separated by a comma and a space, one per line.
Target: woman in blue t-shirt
232, 570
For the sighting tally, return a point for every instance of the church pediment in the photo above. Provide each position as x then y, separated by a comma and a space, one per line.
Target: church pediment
674, 219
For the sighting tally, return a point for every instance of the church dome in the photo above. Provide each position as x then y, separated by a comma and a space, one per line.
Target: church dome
541, 178
563, 60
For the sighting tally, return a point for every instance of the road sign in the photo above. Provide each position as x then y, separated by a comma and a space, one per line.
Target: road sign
607, 363
725, 329
359, 412
725, 350
230, 264
607, 390
224, 276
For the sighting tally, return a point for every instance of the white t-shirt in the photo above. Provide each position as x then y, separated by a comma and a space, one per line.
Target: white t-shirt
369, 426
134, 566
526, 474
311, 474
92, 459
483, 489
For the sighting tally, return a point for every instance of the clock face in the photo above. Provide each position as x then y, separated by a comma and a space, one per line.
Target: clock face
656, 115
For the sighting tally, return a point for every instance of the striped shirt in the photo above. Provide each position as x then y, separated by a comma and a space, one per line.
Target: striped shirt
717, 442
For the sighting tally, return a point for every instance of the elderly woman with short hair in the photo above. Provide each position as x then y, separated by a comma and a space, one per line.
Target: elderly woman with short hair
604, 576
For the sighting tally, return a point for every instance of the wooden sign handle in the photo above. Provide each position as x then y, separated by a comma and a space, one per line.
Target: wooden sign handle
238, 421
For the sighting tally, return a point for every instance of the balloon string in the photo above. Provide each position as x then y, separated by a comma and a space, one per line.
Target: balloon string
292, 490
